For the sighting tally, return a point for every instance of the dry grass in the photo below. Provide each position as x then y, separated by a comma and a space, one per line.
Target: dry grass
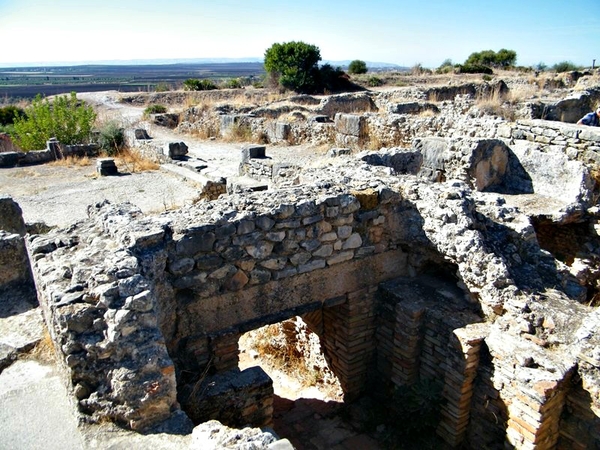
495, 103
72, 161
239, 132
132, 162
427, 113
284, 348
43, 350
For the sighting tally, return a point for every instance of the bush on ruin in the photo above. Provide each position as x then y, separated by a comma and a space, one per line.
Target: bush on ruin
374, 81
155, 109
111, 138
66, 118
445, 67
474, 68
502, 59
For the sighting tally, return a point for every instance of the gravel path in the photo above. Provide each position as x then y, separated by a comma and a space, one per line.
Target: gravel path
59, 195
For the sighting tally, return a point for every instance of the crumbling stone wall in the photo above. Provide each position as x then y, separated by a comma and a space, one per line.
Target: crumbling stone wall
135, 303
53, 151
15, 271
579, 143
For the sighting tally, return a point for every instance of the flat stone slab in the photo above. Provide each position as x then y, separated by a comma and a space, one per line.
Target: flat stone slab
19, 333
35, 409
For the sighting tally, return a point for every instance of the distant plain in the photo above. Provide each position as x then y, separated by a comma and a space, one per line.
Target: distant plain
27, 82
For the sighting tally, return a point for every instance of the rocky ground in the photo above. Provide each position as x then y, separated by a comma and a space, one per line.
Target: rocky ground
58, 195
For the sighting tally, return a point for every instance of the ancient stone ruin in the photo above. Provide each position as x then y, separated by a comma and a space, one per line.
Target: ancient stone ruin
469, 260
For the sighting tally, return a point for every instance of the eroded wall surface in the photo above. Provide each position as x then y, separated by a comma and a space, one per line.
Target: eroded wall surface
138, 305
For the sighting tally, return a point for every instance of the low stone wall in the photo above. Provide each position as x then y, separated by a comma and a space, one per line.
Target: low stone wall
54, 150
578, 142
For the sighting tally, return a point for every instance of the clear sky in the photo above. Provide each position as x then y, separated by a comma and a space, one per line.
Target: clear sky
401, 32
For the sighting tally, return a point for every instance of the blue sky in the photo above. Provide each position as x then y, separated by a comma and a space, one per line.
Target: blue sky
400, 32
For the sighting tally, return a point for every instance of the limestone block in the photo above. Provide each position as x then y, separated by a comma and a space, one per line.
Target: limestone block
14, 263
350, 125
11, 216
176, 150
141, 133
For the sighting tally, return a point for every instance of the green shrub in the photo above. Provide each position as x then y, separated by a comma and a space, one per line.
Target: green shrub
445, 67
502, 59
162, 87
66, 118
233, 83
374, 81
293, 65
357, 67
486, 77
155, 109
193, 84
111, 138
565, 66
333, 79
474, 68
9, 113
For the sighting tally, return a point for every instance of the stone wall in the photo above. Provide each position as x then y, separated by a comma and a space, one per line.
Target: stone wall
15, 271
53, 151
136, 303
578, 142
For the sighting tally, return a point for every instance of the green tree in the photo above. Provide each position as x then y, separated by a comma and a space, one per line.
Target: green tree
9, 113
503, 59
565, 66
357, 67
294, 65
66, 118
506, 58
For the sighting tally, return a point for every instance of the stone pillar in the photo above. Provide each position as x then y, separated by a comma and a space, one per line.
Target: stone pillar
460, 370
348, 338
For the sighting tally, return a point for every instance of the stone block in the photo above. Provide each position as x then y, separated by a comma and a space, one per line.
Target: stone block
106, 167
11, 216
176, 150
141, 134
350, 125
253, 152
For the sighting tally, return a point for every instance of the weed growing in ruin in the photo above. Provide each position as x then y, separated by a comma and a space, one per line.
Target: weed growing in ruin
239, 132
495, 104
155, 109
43, 350
111, 137
71, 161
133, 162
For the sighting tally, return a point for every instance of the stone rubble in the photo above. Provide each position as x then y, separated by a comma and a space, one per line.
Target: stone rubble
437, 257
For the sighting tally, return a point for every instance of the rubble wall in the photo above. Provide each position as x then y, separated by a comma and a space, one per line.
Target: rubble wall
138, 304
578, 142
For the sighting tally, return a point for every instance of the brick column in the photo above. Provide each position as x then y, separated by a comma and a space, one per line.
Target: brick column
348, 338
534, 414
225, 351
408, 337
460, 369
